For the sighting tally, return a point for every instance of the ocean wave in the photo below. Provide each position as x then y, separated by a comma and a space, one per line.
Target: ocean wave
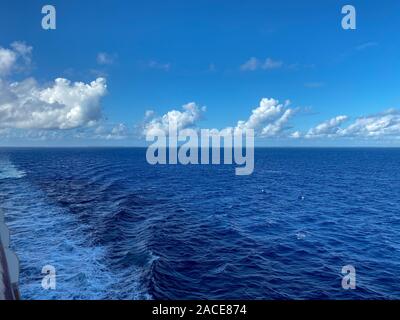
9, 171
118, 228
53, 236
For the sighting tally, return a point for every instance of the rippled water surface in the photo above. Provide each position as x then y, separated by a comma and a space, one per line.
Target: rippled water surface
117, 228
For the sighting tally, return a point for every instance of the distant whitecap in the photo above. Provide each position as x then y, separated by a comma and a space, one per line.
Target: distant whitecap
9, 171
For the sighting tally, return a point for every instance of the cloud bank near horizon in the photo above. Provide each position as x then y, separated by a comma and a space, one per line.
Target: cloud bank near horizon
385, 124
33, 111
28, 105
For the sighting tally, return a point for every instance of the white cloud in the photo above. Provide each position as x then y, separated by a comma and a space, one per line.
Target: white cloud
158, 65
381, 125
60, 105
117, 132
254, 64
278, 126
175, 119
9, 58
30, 135
23, 50
295, 135
327, 128
104, 58
268, 119
149, 114
366, 45
102, 131
120, 131
250, 65
271, 120
272, 64
63, 105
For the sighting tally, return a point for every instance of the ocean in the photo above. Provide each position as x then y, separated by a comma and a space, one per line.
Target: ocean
115, 227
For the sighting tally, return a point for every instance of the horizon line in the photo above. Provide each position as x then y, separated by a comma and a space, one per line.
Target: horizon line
145, 147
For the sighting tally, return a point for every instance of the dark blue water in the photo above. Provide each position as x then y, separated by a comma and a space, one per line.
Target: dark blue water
117, 228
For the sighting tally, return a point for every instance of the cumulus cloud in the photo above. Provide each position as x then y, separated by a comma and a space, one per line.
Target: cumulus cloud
9, 58
180, 120
327, 128
278, 126
268, 119
381, 125
254, 64
23, 51
63, 105
28, 105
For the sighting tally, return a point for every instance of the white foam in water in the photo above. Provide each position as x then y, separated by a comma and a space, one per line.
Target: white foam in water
9, 171
46, 234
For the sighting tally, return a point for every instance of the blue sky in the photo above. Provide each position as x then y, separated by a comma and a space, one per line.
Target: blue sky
225, 55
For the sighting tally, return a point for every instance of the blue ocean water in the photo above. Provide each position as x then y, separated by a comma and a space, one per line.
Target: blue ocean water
115, 227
